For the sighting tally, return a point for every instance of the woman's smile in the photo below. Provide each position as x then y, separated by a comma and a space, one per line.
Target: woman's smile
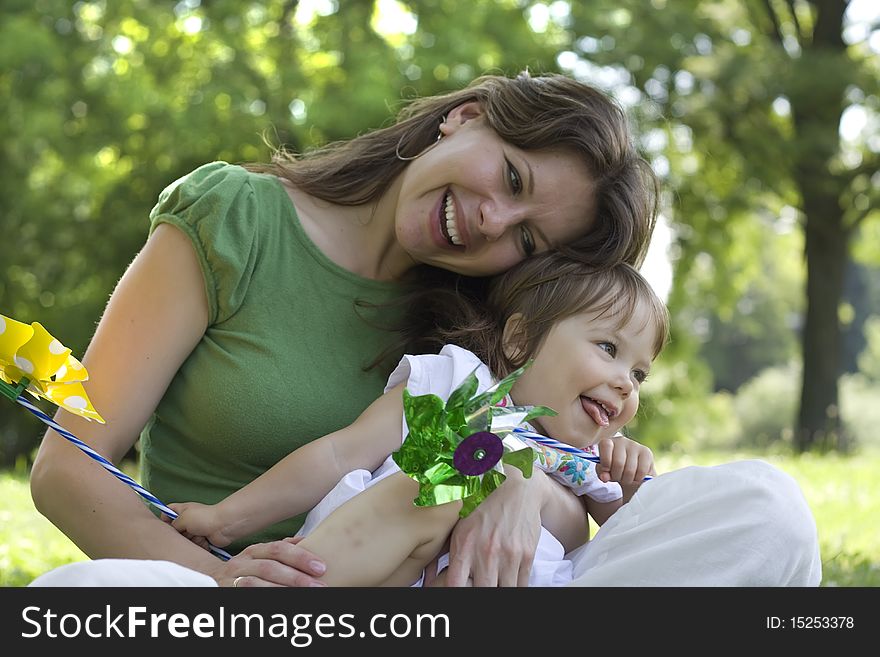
449, 221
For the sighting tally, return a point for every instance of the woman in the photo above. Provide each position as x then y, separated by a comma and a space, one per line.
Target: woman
242, 328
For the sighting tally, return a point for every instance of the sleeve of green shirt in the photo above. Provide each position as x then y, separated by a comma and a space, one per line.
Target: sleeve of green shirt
211, 205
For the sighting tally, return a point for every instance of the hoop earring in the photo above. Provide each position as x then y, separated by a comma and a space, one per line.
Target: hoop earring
403, 158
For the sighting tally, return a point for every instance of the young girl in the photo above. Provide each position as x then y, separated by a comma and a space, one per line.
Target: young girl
592, 335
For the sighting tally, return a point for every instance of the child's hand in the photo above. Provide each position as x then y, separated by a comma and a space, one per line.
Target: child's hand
624, 461
200, 523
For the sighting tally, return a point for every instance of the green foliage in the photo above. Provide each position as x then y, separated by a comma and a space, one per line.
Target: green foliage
869, 359
760, 415
866, 247
765, 407
676, 412
764, 410
759, 329
861, 413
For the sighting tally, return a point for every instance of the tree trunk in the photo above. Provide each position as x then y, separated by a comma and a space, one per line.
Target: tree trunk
819, 422
816, 112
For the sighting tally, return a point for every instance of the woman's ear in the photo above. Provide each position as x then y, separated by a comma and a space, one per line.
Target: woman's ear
513, 338
459, 115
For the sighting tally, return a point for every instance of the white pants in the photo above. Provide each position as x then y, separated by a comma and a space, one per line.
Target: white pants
738, 524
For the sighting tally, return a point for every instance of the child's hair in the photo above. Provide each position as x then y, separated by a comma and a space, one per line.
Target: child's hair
545, 289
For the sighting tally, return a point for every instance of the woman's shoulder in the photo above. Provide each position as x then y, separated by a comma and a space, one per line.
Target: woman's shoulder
229, 217
216, 180
220, 194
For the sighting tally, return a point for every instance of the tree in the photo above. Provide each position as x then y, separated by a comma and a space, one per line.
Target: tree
825, 185
747, 98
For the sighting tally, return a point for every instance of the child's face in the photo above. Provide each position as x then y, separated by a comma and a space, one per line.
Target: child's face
589, 371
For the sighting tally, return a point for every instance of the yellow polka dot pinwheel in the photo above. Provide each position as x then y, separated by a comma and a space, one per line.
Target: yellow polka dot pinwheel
32, 360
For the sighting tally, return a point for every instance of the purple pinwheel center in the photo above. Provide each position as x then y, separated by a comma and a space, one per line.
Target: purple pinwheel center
478, 453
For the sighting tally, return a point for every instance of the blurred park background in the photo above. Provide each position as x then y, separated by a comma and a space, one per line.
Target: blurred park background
762, 118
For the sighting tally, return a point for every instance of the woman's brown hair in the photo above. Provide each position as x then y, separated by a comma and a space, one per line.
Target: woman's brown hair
531, 112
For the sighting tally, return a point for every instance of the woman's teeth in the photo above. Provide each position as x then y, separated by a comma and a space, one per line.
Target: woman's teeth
450, 222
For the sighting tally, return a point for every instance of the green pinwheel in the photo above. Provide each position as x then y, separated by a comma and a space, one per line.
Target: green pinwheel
457, 450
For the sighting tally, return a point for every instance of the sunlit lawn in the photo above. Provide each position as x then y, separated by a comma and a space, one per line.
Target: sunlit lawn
844, 494
29, 544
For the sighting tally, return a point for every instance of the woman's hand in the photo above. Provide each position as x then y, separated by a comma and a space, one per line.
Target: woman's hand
495, 545
279, 563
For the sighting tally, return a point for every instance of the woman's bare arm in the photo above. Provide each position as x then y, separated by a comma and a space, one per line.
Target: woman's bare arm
155, 317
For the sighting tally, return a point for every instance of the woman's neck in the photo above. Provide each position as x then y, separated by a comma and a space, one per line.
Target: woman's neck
359, 238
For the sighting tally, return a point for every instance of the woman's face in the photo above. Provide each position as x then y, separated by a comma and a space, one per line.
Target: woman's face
476, 205
589, 370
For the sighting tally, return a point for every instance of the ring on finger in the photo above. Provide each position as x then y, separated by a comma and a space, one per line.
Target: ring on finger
236, 581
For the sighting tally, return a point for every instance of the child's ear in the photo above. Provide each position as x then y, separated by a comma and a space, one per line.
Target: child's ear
513, 338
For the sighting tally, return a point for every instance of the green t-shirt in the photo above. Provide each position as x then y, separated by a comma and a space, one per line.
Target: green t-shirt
281, 362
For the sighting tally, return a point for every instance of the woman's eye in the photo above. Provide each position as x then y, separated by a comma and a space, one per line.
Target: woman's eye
528, 242
608, 347
514, 177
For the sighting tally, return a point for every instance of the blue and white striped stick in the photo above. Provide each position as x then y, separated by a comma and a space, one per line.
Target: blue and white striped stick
112, 469
562, 447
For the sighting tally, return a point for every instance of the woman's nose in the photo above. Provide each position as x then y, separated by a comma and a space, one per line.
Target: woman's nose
494, 220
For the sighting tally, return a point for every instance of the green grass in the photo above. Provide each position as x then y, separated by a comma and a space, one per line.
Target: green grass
29, 544
843, 492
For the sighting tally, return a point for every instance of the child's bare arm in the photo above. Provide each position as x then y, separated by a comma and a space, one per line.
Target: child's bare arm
601, 511
557, 515
379, 537
622, 460
301, 479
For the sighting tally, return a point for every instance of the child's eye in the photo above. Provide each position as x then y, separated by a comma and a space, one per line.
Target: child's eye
640, 375
608, 347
